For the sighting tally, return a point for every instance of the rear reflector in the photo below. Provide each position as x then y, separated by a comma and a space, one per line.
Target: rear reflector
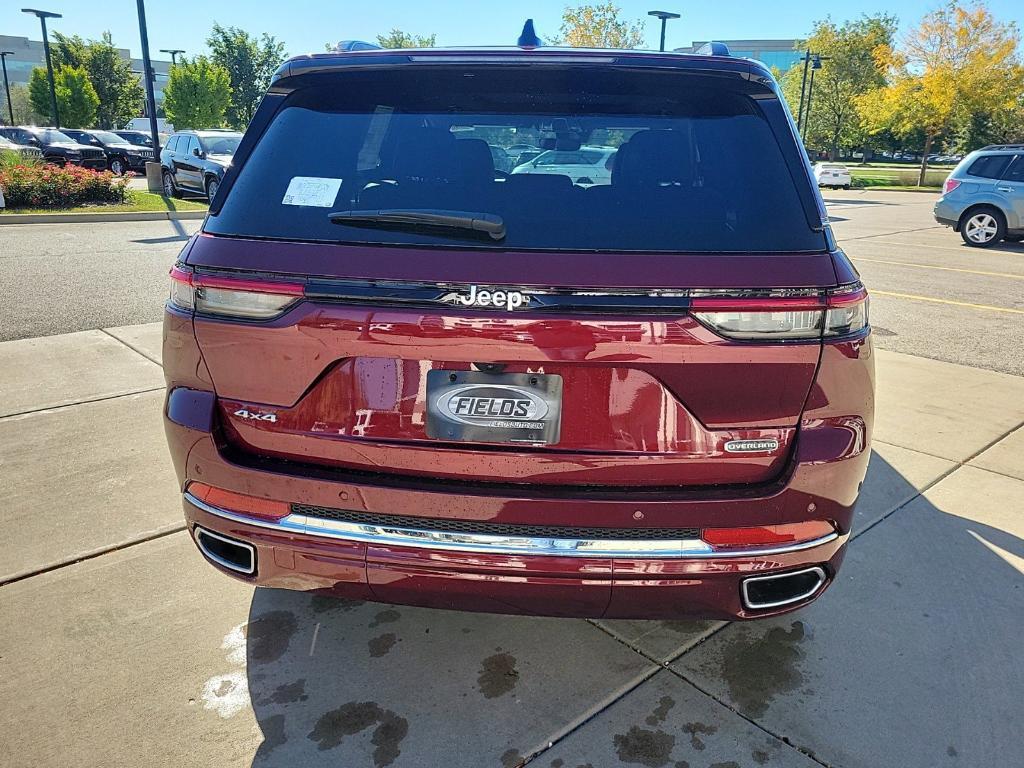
767, 535
252, 506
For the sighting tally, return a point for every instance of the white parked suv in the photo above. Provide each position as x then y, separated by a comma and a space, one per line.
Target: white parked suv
587, 165
832, 175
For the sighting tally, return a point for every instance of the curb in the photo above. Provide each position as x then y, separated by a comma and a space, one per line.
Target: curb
83, 218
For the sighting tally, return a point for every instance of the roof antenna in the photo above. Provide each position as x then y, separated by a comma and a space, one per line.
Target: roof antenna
528, 38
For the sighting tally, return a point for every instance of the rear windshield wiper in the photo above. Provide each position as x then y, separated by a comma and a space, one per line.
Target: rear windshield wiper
399, 218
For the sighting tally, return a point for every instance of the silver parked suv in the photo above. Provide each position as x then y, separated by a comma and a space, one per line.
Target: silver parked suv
983, 198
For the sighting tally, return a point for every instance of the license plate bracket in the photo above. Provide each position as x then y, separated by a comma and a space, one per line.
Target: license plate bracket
476, 406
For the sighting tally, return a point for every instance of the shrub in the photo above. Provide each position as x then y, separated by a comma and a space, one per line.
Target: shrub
28, 185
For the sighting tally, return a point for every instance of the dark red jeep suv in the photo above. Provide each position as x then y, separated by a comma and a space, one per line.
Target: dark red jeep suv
524, 330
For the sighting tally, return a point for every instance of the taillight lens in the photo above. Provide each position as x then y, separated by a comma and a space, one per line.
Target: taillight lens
837, 312
767, 535
228, 297
950, 185
252, 506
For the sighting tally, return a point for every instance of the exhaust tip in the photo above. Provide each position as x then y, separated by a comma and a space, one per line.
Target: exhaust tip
228, 553
777, 590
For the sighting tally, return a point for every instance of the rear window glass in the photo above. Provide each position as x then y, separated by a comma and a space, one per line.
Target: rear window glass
572, 159
990, 166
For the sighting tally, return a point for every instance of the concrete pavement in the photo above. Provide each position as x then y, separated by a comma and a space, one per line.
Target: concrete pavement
119, 645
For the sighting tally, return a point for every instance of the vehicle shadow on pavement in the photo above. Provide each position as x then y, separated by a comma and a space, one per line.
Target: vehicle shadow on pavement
911, 659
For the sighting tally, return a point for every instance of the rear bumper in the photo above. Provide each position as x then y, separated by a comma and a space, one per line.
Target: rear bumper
630, 584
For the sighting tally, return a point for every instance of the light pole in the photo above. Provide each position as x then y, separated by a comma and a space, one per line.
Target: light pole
803, 87
816, 59
7, 87
147, 75
664, 16
174, 54
43, 16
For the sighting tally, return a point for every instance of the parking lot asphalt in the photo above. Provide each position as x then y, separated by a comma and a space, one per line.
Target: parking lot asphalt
120, 646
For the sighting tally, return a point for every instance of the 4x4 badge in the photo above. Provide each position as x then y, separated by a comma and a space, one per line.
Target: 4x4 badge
494, 297
247, 414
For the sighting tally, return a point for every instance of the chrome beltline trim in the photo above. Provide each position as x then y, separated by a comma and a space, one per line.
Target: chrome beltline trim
500, 545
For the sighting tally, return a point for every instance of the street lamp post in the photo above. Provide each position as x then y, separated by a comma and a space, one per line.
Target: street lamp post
803, 87
174, 54
7, 87
147, 76
816, 59
664, 16
43, 16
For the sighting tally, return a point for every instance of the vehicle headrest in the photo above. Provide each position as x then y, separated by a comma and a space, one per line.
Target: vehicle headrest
425, 154
474, 160
656, 157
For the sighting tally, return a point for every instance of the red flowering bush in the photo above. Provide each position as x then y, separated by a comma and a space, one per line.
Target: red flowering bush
51, 186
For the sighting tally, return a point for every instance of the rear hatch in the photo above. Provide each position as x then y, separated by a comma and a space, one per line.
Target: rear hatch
374, 296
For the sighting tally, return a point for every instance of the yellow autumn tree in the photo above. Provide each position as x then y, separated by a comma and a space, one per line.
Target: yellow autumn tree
599, 26
959, 60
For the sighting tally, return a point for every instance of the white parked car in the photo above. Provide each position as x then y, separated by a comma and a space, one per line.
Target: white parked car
832, 175
586, 165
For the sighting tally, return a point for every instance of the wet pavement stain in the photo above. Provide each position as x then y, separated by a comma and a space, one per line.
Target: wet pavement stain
379, 646
682, 764
511, 758
273, 733
352, 718
696, 730
730, 764
288, 693
498, 675
951, 751
325, 603
758, 668
268, 636
760, 756
557, 763
650, 748
385, 617
657, 717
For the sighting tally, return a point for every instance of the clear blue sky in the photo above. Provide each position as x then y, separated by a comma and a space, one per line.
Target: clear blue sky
305, 25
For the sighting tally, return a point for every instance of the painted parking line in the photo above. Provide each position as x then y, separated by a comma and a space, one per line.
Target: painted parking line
914, 297
944, 269
962, 249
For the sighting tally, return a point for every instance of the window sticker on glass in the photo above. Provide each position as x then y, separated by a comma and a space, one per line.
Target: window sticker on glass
311, 190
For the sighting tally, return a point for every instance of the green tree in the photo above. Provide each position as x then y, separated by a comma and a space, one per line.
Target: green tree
250, 63
959, 61
120, 92
197, 94
76, 98
24, 114
848, 70
599, 26
396, 38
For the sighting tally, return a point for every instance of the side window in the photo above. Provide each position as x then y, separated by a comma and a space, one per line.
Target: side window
172, 143
193, 143
1016, 170
989, 166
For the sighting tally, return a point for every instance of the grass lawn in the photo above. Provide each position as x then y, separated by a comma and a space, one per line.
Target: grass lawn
140, 201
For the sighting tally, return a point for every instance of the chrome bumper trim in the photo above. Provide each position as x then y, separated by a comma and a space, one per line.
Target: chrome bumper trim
304, 525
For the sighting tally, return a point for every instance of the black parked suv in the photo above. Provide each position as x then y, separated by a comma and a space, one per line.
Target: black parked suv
138, 138
57, 147
195, 161
122, 156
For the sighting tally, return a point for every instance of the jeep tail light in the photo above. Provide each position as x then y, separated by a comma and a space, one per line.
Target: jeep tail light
950, 185
228, 297
240, 503
837, 312
767, 535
